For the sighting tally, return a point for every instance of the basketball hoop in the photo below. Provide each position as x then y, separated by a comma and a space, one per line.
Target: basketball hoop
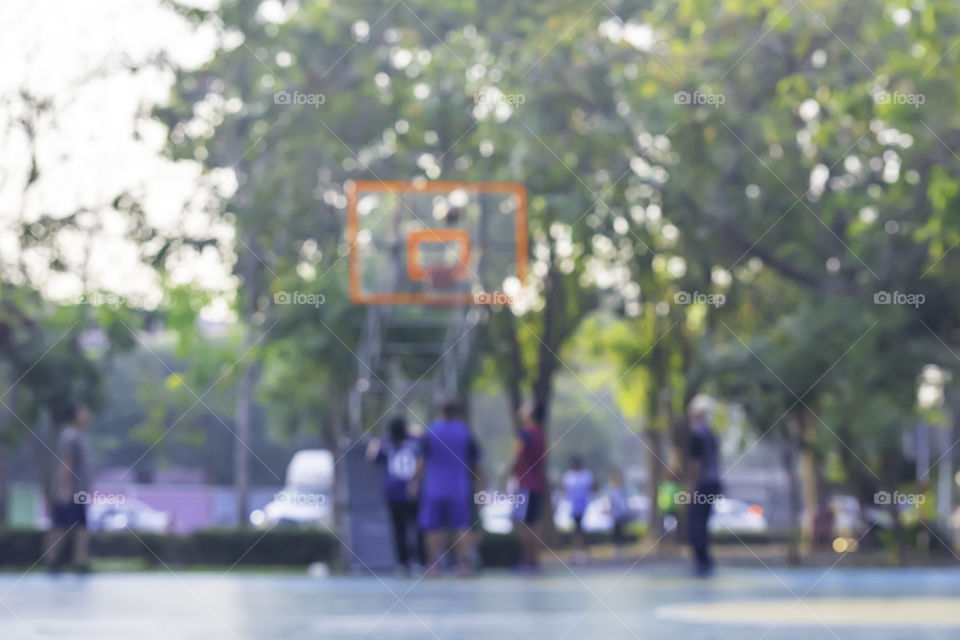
435, 243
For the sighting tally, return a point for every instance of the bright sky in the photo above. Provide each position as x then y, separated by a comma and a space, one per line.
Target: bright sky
98, 143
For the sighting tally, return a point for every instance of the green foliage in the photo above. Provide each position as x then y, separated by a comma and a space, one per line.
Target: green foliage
46, 366
809, 188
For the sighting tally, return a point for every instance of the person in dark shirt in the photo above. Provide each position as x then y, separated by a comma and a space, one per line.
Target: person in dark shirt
449, 463
530, 470
71, 491
398, 455
704, 483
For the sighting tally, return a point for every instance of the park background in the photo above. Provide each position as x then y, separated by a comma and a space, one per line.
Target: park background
754, 200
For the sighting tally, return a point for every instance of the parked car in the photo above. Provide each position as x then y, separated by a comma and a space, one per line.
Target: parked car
639, 506
737, 517
129, 513
847, 516
497, 517
851, 519
306, 498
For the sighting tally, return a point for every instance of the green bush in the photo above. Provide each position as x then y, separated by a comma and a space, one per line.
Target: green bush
22, 548
122, 544
500, 550
288, 547
630, 535
925, 538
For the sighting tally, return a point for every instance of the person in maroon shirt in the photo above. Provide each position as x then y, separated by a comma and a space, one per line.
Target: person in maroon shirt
530, 469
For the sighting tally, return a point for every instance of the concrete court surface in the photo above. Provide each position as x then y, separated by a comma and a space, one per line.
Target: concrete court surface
592, 602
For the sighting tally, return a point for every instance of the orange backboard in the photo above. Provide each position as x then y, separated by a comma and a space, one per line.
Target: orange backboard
435, 242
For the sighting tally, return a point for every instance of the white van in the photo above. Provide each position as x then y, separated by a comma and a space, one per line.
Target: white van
306, 499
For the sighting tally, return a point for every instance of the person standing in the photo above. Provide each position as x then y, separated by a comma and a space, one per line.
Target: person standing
578, 486
619, 512
704, 484
398, 455
448, 464
530, 470
71, 492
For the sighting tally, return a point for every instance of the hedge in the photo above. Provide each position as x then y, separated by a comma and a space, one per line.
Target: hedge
288, 547
20, 548
500, 550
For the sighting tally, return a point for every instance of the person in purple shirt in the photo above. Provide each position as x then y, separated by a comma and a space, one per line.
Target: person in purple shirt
398, 456
447, 468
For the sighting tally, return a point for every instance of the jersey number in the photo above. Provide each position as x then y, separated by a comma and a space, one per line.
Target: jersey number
402, 464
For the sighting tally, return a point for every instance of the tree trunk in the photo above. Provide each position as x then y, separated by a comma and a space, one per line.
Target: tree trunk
658, 403
45, 432
243, 416
249, 266
651, 437
337, 439
514, 371
790, 455
680, 428
945, 467
4, 487
241, 456
4, 445
554, 333
542, 394
808, 478
889, 480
